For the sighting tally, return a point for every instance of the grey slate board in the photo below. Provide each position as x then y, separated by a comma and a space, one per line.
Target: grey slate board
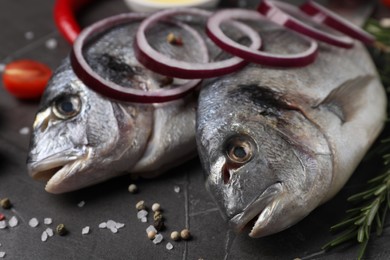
191, 207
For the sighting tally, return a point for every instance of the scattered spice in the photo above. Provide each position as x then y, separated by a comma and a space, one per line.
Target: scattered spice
2, 217
133, 188
175, 236
152, 234
24, 131
61, 230
51, 44
158, 239
156, 207
49, 232
174, 40
157, 215
85, 230
13, 222
81, 204
176, 189
29, 35
159, 224
2, 254
47, 221
3, 224
5, 203
140, 205
169, 246
185, 234
33, 222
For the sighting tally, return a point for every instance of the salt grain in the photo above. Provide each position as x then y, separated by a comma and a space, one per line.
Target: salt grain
169, 246
85, 230
111, 224
142, 214
33, 222
158, 239
103, 225
49, 232
144, 220
29, 35
51, 44
119, 225
176, 189
2, 254
151, 228
81, 204
3, 224
2, 67
47, 221
44, 236
114, 230
13, 222
24, 131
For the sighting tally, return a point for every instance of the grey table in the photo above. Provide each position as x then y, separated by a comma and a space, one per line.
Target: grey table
191, 207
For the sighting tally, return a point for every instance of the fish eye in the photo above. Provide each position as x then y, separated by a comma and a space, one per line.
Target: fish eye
239, 149
67, 106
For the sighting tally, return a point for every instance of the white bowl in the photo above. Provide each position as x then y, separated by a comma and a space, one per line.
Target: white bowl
154, 5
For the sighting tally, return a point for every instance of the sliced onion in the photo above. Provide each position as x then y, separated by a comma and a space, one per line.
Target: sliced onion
286, 60
282, 13
109, 89
331, 19
162, 64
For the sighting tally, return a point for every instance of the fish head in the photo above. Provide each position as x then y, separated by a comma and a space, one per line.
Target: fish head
81, 138
254, 173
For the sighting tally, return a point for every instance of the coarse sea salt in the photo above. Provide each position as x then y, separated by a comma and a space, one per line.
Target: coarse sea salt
51, 44
13, 222
24, 131
33, 222
44, 236
142, 214
151, 228
103, 225
81, 204
29, 35
111, 224
158, 239
47, 221
2, 254
85, 230
49, 232
144, 220
3, 224
176, 189
169, 246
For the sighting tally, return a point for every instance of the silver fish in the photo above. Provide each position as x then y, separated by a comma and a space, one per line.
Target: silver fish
276, 143
81, 138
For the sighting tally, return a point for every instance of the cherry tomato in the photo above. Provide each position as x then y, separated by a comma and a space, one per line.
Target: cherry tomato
26, 79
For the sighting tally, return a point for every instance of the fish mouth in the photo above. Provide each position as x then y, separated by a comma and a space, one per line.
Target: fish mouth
56, 166
258, 213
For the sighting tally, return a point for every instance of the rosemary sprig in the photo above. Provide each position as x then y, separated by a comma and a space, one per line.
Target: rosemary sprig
373, 203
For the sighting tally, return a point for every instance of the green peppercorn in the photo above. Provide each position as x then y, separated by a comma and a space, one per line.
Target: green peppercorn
5, 203
61, 230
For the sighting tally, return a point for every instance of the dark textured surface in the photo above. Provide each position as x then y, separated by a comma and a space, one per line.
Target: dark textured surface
191, 207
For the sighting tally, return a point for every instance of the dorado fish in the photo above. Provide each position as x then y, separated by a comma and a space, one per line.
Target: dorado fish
276, 143
81, 138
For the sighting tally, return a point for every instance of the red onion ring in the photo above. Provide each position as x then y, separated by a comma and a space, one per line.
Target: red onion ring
162, 64
279, 12
221, 40
108, 88
323, 15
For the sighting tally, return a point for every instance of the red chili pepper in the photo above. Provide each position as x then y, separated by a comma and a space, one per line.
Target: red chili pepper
2, 217
65, 19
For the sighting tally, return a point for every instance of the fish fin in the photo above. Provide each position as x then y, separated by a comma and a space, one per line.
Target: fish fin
344, 100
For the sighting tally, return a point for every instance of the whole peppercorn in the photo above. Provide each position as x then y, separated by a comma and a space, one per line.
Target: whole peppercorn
133, 188
157, 216
175, 236
151, 235
185, 234
159, 224
5, 203
140, 205
61, 230
156, 207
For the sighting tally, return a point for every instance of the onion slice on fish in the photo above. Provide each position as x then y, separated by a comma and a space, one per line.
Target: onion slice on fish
109, 89
285, 13
331, 19
168, 66
250, 54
